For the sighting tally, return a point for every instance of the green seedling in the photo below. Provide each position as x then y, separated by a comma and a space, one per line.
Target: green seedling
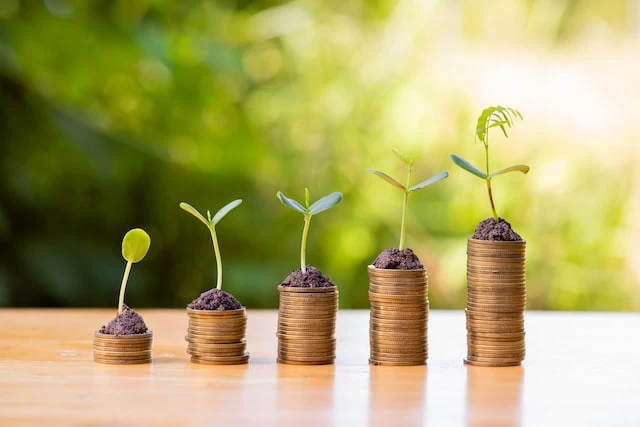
211, 223
491, 117
308, 211
407, 189
135, 246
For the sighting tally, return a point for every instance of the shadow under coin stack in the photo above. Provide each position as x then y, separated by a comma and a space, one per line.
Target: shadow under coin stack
399, 316
307, 325
496, 298
122, 349
217, 337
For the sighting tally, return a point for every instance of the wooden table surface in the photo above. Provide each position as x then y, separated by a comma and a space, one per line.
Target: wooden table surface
581, 369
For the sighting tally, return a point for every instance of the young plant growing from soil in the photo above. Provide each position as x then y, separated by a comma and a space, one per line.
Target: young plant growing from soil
135, 246
214, 299
491, 117
321, 205
407, 188
403, 258
308, 276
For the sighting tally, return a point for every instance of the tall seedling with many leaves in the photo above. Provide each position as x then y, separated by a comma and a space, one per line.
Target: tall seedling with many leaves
491, 117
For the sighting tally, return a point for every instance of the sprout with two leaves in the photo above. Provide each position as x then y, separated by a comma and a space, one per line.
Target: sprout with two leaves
491, 117
308, 211
211, 222
407, 188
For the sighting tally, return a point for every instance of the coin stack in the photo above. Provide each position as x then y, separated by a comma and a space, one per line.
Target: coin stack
217, 337
122, 349
399, 316
496, 298
307, 325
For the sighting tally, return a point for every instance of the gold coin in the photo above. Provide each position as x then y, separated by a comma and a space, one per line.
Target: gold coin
309, 311
213, 340
198, 353
121, 361
234, 360
315, 335
306, 347
496, 360
497, 336
491, 365
240, 312
495, 323
304, 358
395, 272
497, 243
304, 290
295, 362
287, 353
309, 296
131, 339
401, 362
417, 282
420, 321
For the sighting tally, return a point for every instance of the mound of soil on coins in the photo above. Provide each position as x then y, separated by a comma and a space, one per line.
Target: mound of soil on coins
501, 231
126, 323
215, 299
398, 259
313, 278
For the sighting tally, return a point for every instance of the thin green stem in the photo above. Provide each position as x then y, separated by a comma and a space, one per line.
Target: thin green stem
123, 286
493, 206
405, 203
303, 245
216, 249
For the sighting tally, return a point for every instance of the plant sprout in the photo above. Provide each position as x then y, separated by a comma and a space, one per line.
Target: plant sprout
407, 188
211, 225
135, 246
308, 211
491, 117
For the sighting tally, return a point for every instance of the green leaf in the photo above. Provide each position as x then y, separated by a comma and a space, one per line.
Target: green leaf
193, 211
135, 245
498, 116
429, 181
225, 210
290, 203
407, 159
387, 178
516, 168
464, 164
325, 203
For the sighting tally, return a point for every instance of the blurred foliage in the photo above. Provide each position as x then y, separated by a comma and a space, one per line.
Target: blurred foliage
111, 113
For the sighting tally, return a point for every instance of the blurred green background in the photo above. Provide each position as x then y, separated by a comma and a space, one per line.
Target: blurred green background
112, 112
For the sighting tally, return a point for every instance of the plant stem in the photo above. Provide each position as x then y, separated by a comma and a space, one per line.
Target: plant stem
303, 246
493, 206
216, 249
123, 286
405, 202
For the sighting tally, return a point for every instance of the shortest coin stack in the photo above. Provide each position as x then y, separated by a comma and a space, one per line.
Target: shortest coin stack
496, 298
122, 349
307, 325
217, 337
399, 316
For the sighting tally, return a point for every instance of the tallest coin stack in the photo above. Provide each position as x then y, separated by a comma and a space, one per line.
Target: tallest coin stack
496, 300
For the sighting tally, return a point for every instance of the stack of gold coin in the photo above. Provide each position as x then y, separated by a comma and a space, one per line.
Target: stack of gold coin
307, 325
217, 337
122, 349
496, 298
399, 316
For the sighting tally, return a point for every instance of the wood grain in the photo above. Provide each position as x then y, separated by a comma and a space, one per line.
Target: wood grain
581, 369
